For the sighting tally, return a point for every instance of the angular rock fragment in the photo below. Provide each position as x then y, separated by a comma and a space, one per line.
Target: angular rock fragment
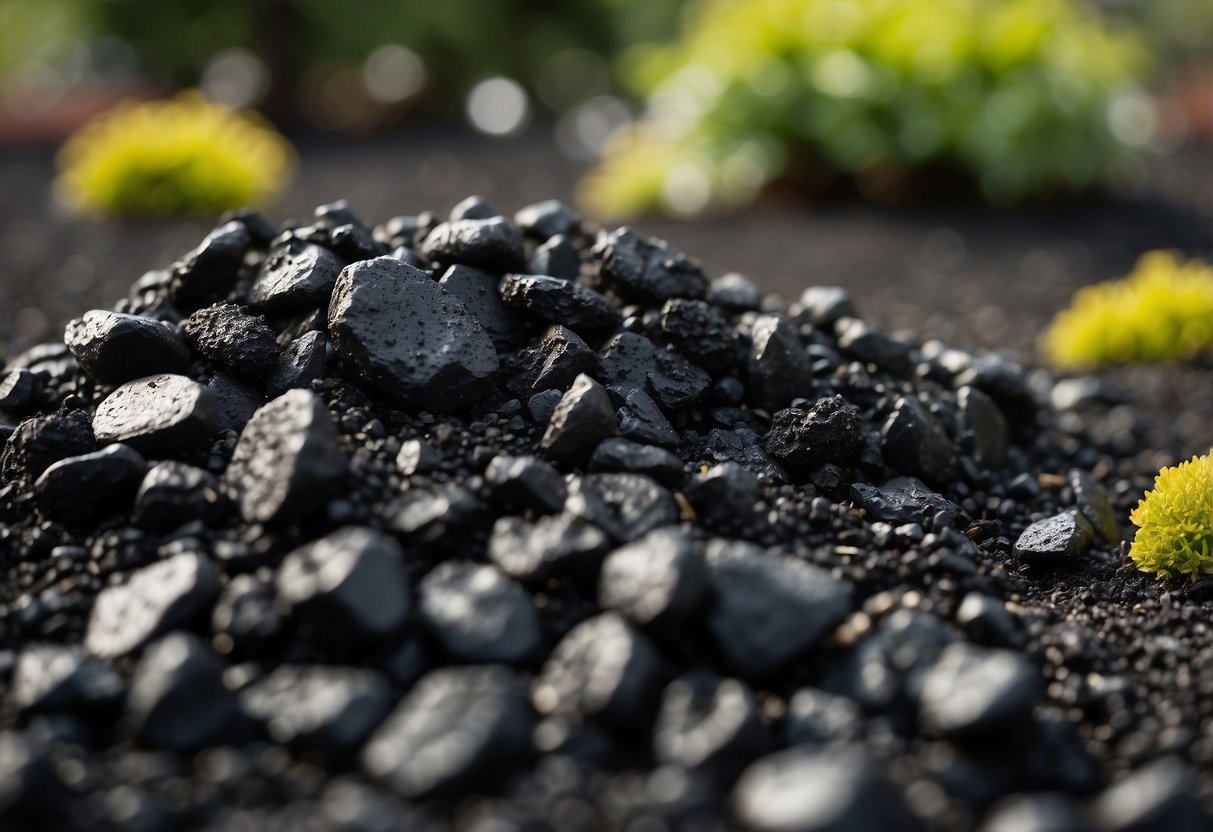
802, 440
604, 670
824, 306
777, 365
173, 493
477, 290
302, 362
236, 400
287, 460
1055, 541
914, 443
901, 500
625, 506
769, 608
544, 220
552, 362
178, 701
641, 420
408, 337
478, 615
152, 601
556, 257
81, 488
986, 426
697, 329
229, 335
296, 276
18, 388
658, 581
971, 692
726, 489
526, 482
648, 269
625, 456
113, 347
492, 243
583, 418
158, 415
331, 710
206, 274
41, 441
350, 585
860, 340
1092, 500
560, 301
458, 728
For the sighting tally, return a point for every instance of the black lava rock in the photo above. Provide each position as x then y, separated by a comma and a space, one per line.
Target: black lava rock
458, 728
113, 347
583, 418
803, 440
302, 362
544, 220
646, 269
227, 334
902, 500
709, 725
658, 581
162, 415
492, 243
559, 545
409, 337
296, 276
505, 627
914, 442
349, 586
174, 493
287, 461
561, 301
1055, 541
206, 274
971, 692
87, 486
778, 366
41, 441
477, 290
551, 363
526, 482
236, 400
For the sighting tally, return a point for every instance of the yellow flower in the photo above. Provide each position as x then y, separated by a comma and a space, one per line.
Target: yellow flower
1163, 311
1175, 520
184, 155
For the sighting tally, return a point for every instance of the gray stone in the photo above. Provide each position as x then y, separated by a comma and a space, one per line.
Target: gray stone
1055, 541
350, 585
153, 600
458, 728
769, 607
113, 347
287, 461
156, 415
478, 615
409, 337
971, 692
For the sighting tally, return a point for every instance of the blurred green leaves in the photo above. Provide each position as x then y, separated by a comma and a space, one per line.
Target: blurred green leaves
1013, 93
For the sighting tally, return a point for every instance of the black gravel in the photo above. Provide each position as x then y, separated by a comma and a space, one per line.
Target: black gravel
423, 541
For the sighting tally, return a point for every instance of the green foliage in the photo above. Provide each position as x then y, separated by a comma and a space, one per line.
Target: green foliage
1013, 92
182, 156
1163, 311
1175, 522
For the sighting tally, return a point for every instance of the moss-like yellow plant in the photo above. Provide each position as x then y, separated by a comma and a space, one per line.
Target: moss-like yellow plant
1163, 311
183, 155
1175, 521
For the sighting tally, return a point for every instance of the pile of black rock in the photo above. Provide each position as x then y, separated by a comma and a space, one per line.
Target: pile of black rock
510, 524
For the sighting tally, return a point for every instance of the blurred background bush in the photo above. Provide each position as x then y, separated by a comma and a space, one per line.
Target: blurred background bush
1004, 98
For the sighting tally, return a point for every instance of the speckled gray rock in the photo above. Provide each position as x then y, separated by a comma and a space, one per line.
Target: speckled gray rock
113, 347
837, 788
1055, 541
560, 301
658, 581
295, 277
228, 334
300, 363
287, 460
409, 337
478, 615
769, 607
492, 243
152, 601
350, 585
178, 701
971, 692
583, 418
157, 415
778, 366
320, 708
606, 670
456, 729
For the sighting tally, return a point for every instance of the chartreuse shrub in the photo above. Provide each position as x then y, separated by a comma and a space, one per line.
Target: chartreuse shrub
1163, 311
184, 155
1175, 521
1014, 94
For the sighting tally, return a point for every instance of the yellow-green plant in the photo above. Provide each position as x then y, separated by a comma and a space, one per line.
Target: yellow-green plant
1015, 93
1175, 521
1163, 311
183, 155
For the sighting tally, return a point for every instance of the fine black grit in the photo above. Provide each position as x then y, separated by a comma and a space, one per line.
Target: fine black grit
501, 525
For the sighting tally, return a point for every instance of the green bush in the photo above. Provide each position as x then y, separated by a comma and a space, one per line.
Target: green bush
1012, 93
